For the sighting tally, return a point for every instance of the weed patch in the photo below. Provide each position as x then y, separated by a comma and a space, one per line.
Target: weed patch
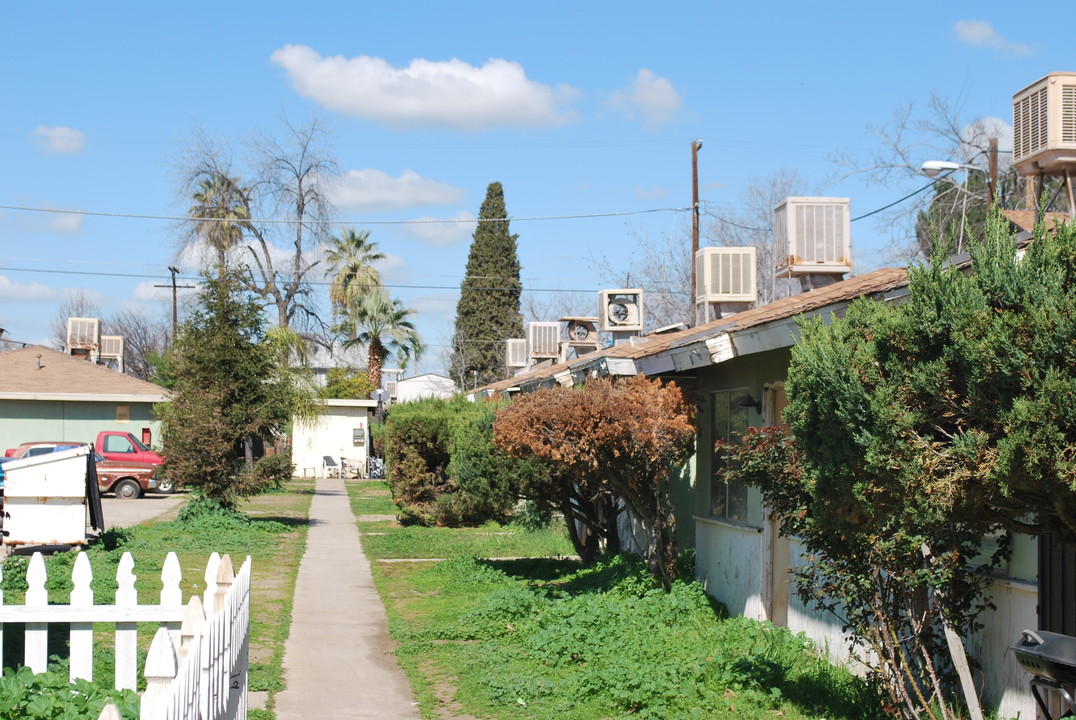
549, 639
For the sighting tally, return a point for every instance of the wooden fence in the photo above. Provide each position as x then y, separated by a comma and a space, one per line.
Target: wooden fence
196, 668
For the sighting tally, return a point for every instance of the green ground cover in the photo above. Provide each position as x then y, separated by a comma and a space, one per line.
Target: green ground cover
547, 638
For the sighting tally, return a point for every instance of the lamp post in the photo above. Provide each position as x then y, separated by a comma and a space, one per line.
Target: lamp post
933, 168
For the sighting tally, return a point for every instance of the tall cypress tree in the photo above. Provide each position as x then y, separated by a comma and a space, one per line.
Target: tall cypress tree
488, 309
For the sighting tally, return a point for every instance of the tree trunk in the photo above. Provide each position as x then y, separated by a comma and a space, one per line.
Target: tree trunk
376, 362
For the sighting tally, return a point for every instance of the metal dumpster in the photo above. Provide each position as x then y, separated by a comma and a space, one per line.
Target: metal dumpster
47, 498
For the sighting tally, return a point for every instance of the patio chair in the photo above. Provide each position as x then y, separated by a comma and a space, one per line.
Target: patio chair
329, 466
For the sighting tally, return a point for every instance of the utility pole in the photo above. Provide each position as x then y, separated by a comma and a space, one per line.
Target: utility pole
175, 312
695, 146
992, 158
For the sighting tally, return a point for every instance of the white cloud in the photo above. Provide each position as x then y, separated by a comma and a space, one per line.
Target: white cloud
426, 93
650, 95
60, 139
392, 266
27, 292
148, 292
654, 193
439, 234
377, 190
67, 223
977, 136
438, 303
980, 33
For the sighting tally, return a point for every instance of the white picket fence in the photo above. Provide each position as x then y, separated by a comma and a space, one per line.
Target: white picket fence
196, 668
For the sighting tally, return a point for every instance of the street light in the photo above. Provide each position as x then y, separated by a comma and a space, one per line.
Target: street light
934, 168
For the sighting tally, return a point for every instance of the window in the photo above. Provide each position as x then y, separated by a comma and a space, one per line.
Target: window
118, 444
728, 500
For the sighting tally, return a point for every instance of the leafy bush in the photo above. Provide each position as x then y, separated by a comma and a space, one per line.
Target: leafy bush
347, 383
423, 440
50, 695
272, 471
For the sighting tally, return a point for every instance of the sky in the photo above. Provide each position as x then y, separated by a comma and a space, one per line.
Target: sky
585, 112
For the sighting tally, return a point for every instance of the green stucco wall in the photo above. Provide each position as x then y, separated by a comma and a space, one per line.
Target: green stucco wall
38, 420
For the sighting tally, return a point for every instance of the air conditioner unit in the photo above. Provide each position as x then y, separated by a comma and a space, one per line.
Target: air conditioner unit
111, 346
812, 235
620, 310
726, 274
580, 329
390, 381
543, 339
1044, 125
83, 334
515, 353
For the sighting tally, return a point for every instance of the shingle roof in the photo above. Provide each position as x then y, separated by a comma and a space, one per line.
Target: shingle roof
63, 375
872, 283
1025, 219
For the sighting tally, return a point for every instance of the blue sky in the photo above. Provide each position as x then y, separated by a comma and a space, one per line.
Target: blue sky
576, 108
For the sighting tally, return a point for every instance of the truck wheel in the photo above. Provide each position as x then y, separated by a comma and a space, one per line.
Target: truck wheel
165, 487
127, 489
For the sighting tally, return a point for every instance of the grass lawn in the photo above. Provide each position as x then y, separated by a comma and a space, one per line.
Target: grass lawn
546, 638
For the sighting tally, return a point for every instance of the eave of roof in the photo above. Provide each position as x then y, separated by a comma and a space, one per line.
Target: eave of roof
715, 341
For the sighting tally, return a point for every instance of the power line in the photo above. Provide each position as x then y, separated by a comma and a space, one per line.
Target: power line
269, 221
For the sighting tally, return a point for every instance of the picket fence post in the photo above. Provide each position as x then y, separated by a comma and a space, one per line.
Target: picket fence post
126, 632
37, 633
81, 643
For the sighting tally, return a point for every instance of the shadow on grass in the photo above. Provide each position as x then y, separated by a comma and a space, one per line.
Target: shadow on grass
537, 570
288, 521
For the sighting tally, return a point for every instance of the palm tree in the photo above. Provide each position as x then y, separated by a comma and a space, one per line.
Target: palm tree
382, 324
225, 205
349, 264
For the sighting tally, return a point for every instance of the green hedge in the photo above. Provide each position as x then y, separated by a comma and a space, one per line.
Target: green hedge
441, 465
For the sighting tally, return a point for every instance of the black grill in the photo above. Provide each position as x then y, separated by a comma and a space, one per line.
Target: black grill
1050, 658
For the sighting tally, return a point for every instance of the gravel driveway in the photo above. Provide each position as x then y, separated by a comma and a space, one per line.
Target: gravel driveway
125, 513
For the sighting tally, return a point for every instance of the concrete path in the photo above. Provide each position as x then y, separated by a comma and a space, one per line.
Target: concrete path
338, 661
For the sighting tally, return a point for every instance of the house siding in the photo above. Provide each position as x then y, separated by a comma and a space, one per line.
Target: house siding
77, 421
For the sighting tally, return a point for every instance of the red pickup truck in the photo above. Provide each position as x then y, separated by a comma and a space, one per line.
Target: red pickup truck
125, 446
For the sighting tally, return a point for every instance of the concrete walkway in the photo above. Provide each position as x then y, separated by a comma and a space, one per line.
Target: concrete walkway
338, 661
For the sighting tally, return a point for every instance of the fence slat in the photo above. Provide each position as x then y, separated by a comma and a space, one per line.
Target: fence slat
210, 578
37, 634
171, 594
110, 712
126, 633
162, 667
81, 643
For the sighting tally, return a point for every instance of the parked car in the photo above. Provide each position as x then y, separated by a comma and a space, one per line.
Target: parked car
124, 479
